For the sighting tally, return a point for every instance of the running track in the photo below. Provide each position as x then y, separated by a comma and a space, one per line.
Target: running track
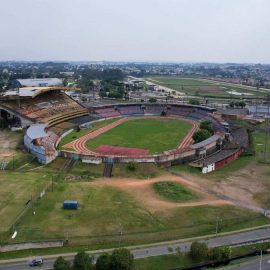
79, 145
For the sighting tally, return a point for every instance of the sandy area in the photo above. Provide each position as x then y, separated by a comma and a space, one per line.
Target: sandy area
143, 192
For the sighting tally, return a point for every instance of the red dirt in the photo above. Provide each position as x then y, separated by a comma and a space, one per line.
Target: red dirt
123, 151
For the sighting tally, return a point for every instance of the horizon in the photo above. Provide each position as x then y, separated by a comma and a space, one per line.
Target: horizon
173, 31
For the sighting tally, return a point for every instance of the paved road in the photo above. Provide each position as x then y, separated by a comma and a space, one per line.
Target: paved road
253, 264
160, 249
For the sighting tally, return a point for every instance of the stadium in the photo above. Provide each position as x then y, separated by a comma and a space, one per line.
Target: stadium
50, 116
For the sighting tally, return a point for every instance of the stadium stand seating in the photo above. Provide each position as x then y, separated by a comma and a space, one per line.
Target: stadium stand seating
43, 106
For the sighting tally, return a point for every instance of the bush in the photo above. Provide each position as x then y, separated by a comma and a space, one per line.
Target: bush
207, 125
194, 101
132, 166
61, 264
201, 135
103, 262
121, 259
82, 261
198, 251
152, 100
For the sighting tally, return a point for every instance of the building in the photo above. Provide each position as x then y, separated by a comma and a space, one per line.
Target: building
45, 82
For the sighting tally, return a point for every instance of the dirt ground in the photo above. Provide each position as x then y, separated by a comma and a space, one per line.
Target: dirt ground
8, 143
243, 187
143, 192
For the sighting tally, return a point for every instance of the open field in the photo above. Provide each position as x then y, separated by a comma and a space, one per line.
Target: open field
105, 208
172, 191
200, 87
16, 189
157, 135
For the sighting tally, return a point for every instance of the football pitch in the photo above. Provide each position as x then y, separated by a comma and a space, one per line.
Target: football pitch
156, 135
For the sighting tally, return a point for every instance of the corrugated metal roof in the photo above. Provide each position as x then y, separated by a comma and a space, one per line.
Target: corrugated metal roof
206, 142
40, 82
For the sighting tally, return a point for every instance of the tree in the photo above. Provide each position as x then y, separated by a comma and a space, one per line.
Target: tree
201, 135
121, 259
61, 264
198, 251
194, 101
225, 253
152, 100
82, 261
103, 262
207, 125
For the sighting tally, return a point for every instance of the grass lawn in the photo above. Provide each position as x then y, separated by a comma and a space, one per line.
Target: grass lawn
157, 135
103, 210
219, 174
199, 87
75, 135
16, 189
172, 191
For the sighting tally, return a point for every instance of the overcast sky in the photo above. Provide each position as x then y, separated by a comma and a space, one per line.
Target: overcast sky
136, 30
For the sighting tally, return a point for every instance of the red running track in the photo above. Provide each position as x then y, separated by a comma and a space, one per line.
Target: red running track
79, 145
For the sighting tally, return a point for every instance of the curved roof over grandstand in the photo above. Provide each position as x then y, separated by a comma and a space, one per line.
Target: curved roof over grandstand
31, 92
36, 131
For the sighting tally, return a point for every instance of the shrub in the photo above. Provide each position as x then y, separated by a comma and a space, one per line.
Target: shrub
61, 264
121, 259
201, 135
103, 262
82, 261
198, 251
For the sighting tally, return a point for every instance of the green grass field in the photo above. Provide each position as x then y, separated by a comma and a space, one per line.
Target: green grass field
157, 135
172, 191
207, 88
16, 188
103, 209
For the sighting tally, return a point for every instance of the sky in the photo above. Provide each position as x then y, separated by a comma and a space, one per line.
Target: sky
136, 30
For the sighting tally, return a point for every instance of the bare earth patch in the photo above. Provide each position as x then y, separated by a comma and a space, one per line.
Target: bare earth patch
8, 145
242, 187
142, 191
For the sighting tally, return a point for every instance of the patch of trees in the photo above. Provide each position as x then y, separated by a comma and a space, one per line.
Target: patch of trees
237, 104
120, 259
201, 135
205, 132
152, 100
113, 89
200, 252
207, 125
194, 101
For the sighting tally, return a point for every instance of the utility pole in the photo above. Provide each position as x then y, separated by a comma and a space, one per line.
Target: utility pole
261, 261
218, 220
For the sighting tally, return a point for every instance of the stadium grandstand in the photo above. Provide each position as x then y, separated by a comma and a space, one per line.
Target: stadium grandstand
50, 114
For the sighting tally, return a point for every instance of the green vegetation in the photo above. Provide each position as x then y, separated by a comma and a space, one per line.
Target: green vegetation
157, 135
16, 189
219, 174
201, 135
61, 264
103, 208
173, 191
194, 101
77, 134
207, 125
82, 261
206, 88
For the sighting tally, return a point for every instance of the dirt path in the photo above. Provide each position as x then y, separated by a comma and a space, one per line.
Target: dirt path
142, 191
241, 187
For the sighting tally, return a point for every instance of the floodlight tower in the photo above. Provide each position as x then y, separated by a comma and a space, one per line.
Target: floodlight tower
18, 96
